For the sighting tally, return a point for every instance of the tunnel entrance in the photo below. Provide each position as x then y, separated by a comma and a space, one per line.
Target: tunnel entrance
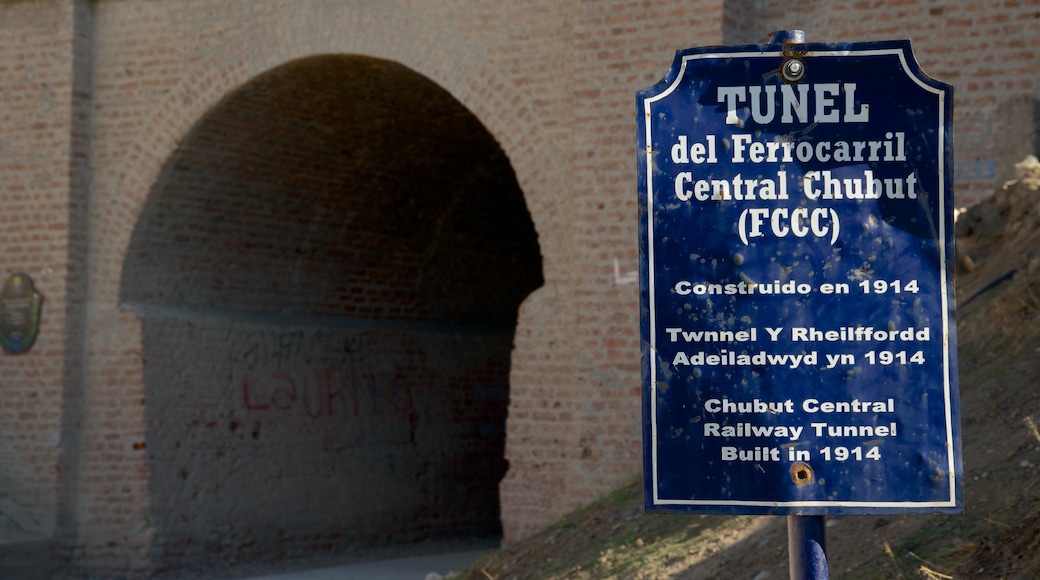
328, 272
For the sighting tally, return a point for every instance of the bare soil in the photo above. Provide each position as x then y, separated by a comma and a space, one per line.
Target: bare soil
998, 536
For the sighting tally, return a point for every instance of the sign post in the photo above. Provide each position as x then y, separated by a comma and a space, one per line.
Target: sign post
796, 281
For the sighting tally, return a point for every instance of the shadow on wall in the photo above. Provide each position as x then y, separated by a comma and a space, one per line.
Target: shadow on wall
1017, 130
328, 272
25, 544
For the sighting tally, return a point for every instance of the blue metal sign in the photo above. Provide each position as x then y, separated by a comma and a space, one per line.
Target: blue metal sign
796, 277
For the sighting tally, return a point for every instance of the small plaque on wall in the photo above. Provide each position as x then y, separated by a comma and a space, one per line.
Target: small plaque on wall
20, 306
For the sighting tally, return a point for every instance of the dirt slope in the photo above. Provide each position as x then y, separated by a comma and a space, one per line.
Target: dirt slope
998, 290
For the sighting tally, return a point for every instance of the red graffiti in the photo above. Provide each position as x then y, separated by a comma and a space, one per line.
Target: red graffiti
327, 392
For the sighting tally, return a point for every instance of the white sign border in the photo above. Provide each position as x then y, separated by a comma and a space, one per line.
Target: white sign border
947, 371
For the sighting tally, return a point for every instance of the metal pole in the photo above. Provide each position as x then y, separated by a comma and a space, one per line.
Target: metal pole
807, 547
806, 535
791, 36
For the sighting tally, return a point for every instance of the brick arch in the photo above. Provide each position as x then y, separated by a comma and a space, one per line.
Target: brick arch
328, 273
114, 365
375, 181
470, 79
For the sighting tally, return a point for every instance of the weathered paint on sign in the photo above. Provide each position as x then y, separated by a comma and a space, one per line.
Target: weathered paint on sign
799, 347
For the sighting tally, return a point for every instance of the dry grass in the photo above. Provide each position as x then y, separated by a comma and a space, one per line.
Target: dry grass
997, 537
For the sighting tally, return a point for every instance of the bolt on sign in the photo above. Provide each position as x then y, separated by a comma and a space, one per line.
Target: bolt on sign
796, 278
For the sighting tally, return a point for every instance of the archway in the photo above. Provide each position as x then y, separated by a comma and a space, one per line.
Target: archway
328, 271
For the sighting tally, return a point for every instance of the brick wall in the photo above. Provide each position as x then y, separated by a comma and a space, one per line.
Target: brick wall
268, 440
121, 121
987, 51
37, 170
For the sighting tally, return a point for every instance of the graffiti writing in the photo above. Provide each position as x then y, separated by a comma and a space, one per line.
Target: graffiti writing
321, 373
327, 392
296, 348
